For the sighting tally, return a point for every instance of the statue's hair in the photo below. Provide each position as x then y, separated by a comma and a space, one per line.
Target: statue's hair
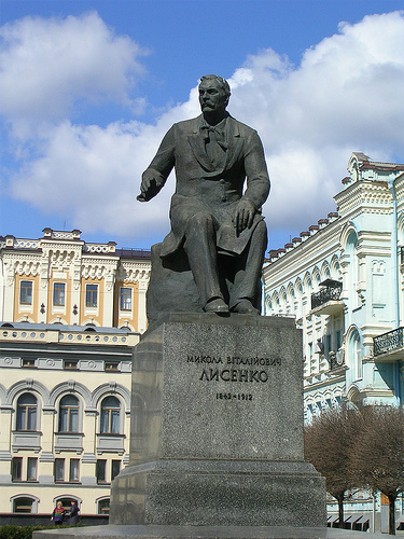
222, 82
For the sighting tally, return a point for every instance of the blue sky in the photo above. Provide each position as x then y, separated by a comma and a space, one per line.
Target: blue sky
90, 87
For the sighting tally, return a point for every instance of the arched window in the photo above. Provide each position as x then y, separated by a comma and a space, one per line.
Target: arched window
69, 409
110, 416
24, 504
103, 506
27, 412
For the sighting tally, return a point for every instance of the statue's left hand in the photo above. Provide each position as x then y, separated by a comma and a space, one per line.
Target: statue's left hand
244, 215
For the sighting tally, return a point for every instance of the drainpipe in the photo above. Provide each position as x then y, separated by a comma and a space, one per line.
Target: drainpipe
396, 277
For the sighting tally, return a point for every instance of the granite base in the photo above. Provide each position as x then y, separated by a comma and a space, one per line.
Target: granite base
205, 532
219, 492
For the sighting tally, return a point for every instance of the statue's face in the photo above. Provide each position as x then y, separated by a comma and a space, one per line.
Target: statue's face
212, 98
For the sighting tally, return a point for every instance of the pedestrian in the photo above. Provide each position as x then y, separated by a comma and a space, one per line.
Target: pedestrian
58, 514
74, 514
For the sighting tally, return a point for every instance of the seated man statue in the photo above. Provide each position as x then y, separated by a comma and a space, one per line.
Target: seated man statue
221, 184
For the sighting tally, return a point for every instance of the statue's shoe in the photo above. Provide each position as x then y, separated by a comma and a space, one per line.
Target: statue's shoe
245, 307
216, 305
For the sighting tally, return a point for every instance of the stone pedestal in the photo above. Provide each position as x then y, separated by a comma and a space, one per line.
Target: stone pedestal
219, 440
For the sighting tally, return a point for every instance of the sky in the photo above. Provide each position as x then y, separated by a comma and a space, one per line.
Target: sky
88, 89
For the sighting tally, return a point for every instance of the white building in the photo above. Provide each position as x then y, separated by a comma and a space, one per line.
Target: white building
343, 282
70, 313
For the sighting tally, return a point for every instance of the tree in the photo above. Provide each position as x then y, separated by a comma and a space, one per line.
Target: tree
378, 453
328, 443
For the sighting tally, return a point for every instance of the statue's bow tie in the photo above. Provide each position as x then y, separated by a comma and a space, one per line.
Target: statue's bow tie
214, 134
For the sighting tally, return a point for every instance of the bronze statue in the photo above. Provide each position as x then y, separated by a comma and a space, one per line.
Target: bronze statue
215, 220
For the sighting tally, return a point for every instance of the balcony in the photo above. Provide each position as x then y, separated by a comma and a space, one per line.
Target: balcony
110, 443
327, 300
389, 346
26, 439
69, 441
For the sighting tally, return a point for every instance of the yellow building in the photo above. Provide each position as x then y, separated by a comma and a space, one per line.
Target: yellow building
70, 313
60, 278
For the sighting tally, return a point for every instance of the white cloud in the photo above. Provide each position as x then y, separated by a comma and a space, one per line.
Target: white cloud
344, 96
49, 65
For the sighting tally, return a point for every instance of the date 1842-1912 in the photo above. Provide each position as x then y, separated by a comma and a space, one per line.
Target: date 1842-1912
234, 396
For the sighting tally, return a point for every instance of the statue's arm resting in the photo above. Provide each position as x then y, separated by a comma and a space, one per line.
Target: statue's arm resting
258, 183
156, 174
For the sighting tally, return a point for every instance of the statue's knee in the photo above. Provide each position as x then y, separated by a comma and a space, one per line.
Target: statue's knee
200, 221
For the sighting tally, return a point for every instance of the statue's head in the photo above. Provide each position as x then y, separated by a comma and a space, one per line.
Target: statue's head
214, 93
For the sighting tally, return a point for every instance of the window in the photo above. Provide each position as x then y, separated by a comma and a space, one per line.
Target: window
27, 406
71, 364
59, 294
16, 469
103, 507
91, 295
59, 470
101, 470
110, 415
112, 366
28, 363
22, 505
74, 470
32, 469
69, 414
125, 299
26, 293
115, 468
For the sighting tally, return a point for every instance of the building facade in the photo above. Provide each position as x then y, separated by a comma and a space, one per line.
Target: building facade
60, 278
71, 313
342, 280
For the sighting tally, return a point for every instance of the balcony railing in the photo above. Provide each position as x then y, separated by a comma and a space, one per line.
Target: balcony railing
324, 295
388, 342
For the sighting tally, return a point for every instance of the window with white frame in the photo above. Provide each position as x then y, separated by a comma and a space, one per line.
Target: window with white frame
103, 506
32, 469
91, 295
74, 470
16, 469
110, 416
23, 504
69, 409
26, 292
125, 299
59, 294
59, 470
27, 412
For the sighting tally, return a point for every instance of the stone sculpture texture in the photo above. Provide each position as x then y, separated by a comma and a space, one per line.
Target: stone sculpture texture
218, 235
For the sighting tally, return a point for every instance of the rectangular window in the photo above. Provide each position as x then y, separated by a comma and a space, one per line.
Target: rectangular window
71, 364
125, 299
59, 471
115, 468
32, 469
28, 363
101, 469
74, 471
16, 469
91, 295
59, 294
26, 293
112, 366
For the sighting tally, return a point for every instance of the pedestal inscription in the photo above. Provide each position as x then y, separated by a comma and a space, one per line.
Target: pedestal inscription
219, 439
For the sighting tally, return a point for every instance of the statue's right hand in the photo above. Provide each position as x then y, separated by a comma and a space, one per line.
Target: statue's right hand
148, 187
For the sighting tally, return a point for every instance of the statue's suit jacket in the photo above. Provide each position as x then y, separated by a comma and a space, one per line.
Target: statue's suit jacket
201, 186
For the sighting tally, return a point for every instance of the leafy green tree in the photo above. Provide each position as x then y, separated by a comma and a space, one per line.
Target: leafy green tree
377, 459
328, 445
